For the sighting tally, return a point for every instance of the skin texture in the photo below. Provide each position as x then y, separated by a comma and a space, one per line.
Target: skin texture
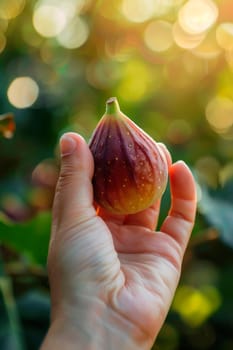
112, 277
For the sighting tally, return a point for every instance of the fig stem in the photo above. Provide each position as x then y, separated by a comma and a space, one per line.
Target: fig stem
112, 106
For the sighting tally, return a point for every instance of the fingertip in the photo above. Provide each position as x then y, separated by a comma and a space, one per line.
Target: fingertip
178, 166
183, 184
73, 148
69, 142
68, 145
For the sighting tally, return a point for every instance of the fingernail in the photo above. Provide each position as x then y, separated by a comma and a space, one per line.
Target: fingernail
67, 144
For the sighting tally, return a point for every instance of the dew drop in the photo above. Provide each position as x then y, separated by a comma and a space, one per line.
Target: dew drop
130, 145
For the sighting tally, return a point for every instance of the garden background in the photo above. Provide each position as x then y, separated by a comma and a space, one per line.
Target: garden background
170, 64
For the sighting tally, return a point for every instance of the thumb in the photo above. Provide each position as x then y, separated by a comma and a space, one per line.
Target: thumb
73, 201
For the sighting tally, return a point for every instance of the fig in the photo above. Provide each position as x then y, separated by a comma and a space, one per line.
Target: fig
130, 168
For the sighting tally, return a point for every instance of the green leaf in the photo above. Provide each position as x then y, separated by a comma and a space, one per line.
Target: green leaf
10, 327
30, 238
217, 208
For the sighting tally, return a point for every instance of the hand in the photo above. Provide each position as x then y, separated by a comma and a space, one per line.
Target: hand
112, 277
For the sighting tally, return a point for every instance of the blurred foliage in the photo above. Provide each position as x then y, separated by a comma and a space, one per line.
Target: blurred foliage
170, 63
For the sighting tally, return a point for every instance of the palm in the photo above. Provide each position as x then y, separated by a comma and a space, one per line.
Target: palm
150, 263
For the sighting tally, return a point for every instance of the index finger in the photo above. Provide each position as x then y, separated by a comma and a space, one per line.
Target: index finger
180, 220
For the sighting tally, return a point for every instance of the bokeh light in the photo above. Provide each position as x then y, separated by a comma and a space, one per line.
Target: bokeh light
184, 39
224, 36
158, 35
196, 305
75, 34
164, 7
208, 49
11, 8
71, 8
138, 10
197, 16
219, 113
134, 86
23, 92
49, 20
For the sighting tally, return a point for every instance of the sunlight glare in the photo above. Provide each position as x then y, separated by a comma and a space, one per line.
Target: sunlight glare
197, 16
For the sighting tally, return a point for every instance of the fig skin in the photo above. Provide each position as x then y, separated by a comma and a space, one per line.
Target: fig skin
131, 170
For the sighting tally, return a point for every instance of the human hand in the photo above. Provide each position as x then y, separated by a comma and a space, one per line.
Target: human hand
112, 278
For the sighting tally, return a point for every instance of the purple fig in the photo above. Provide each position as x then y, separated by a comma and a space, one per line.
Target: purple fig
131, 170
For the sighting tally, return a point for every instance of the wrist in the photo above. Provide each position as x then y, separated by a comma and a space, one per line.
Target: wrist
93, 328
